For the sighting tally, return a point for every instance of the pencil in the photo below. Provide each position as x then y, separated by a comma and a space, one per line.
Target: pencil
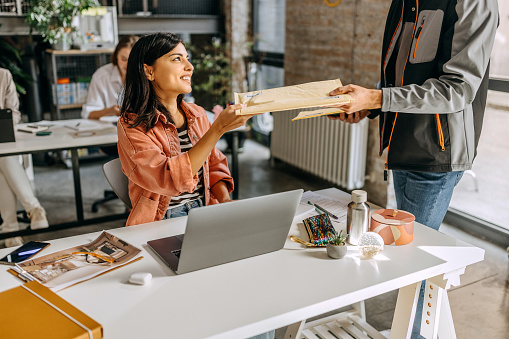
324, 210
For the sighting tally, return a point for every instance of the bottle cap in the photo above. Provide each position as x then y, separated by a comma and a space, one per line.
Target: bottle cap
359, 196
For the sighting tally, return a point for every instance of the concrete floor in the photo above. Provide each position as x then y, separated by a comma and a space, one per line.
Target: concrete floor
480, 305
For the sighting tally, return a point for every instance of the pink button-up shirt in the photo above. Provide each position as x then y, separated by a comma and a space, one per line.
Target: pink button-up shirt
156, 168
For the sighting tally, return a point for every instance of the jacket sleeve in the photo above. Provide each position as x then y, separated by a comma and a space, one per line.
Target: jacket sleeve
145, 163
472, 38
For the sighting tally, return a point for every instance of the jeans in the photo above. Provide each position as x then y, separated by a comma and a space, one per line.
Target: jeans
427, 197
182, 210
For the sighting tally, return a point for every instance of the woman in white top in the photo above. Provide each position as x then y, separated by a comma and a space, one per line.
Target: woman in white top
107, 82
14, 184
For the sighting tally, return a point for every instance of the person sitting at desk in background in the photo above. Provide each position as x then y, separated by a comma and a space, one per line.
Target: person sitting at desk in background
14, 182
167, 146
107, 82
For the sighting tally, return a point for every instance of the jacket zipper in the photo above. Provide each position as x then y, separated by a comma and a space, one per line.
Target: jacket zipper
440, 133
418, 35
396, 116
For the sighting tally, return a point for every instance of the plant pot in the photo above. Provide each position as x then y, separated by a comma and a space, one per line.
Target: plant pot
63, 44
336, 251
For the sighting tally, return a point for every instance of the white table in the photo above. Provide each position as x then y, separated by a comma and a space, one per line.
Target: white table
254, 295
61, 138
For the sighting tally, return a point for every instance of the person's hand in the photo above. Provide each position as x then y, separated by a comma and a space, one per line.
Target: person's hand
351, 118
114, 110
363, 98
228, 120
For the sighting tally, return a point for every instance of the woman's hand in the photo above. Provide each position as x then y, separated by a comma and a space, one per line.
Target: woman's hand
228, 120
220, 192
113, 110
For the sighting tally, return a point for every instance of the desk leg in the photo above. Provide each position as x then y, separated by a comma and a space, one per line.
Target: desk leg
235, 164
77, 184
404, 314
436, 314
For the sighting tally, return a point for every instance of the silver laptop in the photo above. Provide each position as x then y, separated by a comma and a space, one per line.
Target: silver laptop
227, 232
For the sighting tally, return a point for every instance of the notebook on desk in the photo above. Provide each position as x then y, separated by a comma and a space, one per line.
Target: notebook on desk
223, 233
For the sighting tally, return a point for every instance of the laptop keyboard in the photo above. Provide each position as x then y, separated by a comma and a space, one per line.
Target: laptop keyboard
177, 253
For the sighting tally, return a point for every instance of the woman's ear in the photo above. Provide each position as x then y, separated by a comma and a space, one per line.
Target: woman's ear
149, 72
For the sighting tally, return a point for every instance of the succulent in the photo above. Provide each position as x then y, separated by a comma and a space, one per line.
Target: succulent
339, 239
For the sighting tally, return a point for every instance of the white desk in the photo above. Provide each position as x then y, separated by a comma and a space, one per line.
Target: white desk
254, 295
61, 139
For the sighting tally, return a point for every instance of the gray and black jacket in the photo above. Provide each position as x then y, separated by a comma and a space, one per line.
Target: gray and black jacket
434, 78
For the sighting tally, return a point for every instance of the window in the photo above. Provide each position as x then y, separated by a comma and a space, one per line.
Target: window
480, 200
266, 69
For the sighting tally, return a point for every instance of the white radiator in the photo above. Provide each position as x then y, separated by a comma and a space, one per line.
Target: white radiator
332, 150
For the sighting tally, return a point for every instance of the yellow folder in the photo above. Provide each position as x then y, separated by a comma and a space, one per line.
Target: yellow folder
34, 311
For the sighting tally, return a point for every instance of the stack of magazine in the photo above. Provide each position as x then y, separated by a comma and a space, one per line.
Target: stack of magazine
76, 264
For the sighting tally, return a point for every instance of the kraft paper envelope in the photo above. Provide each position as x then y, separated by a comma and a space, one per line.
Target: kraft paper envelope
311, 94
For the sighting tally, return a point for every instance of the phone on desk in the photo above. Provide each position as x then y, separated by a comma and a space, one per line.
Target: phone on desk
24, 252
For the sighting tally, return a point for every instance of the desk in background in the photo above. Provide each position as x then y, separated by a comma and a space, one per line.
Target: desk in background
60, 139
258, 294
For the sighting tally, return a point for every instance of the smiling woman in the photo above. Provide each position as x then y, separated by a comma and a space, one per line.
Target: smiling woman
167, 146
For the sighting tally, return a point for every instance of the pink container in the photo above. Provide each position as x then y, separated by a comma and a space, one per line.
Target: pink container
395, 226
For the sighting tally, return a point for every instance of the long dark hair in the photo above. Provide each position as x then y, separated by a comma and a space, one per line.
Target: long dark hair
139, 96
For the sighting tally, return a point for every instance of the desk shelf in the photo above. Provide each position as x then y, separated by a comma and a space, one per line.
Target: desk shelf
345, 325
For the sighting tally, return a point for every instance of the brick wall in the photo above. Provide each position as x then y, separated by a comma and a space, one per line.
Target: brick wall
324, 43
238, 31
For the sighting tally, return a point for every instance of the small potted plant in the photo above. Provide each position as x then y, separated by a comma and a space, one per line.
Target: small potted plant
336, 248
53, 19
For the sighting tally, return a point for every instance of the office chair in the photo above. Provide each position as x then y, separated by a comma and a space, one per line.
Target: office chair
117, 180
108, 194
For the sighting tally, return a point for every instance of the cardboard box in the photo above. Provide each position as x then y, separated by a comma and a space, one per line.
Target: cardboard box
34, 311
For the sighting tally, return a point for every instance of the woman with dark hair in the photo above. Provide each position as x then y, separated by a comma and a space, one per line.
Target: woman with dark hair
167, 146
107, 82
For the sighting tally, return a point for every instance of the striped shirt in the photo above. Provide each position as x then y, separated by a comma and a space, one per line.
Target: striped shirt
199, 192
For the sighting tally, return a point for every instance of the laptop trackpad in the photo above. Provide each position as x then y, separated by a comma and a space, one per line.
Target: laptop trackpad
168, 249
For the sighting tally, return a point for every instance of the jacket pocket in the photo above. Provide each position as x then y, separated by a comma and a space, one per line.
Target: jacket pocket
426, 36
144, 211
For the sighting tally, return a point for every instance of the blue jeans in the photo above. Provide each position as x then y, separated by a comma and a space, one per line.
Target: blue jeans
427, 197
182, 210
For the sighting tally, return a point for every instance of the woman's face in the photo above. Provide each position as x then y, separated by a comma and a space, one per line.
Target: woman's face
171, 74
122, 57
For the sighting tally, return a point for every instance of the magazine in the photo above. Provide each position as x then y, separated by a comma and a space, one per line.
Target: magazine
76, 264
